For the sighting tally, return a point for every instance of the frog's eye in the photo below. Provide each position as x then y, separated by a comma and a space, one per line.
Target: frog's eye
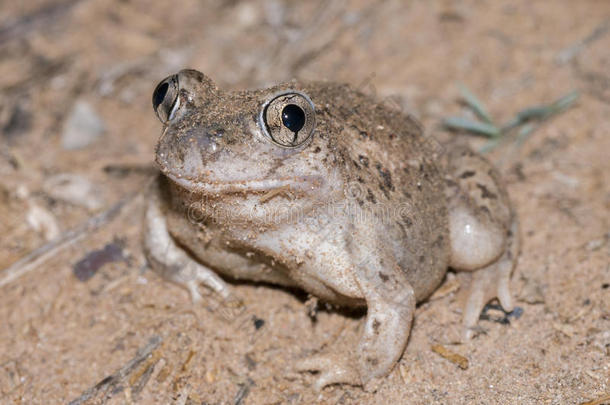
165, 98
288, 119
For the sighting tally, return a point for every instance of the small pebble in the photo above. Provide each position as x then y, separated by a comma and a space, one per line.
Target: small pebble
502, 316
86, 268
38, 218
20, 122
74, 189
82, 128
258, 323
42, 221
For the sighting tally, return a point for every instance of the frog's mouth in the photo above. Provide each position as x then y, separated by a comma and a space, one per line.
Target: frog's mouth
254, 186
195, 163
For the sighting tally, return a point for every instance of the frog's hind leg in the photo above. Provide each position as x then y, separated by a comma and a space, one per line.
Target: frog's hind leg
491, 282
171, 261
483, 229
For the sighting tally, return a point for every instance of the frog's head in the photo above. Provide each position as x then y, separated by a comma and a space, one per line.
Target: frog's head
216, 142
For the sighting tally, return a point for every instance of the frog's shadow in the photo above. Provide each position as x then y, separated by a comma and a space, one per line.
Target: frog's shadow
310, 303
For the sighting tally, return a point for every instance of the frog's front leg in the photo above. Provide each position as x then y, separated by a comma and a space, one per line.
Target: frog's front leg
391, 305
170, 260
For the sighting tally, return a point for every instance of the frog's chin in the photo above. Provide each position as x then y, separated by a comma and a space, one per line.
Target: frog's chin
297, 183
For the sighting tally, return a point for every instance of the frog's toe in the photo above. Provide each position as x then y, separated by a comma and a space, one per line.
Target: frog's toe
192, 287
488, 283
332, 369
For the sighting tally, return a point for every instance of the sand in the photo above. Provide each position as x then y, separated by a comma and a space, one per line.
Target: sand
67, 327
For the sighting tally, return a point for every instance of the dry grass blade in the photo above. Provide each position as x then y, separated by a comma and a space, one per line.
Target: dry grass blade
101, 392
475, 104
565, 101
476, 127
605, 399
525, 116
530, 119
544, 111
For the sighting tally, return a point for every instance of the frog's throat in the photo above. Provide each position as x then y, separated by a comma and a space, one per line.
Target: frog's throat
297, 183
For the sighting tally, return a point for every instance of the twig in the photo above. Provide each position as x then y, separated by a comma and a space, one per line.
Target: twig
51, 249
116, 382
569, 53
461, 361
244, 389
31, 22
599, 401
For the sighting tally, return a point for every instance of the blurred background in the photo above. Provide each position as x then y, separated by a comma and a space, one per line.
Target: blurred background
77, 135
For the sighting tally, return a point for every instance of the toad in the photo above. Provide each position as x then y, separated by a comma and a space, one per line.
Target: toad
318, 186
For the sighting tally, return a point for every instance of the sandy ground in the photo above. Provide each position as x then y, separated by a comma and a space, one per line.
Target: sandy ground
65, 327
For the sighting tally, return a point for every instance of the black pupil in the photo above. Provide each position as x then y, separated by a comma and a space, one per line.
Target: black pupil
160, 94
293, 117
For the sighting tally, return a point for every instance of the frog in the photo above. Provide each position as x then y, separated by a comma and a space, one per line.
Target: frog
321, 187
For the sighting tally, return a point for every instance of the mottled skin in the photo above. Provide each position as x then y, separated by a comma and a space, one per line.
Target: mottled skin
366, 212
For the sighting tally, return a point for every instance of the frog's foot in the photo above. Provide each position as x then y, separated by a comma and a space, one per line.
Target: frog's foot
491, 282
391, 304
172, 262
192, 274
488, 283
333, 369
